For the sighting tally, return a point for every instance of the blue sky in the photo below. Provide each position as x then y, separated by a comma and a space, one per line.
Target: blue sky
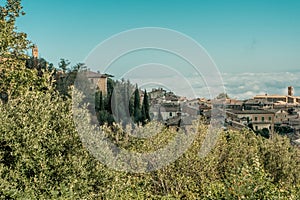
240, 36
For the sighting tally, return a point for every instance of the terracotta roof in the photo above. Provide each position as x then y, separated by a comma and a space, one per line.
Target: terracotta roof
169, 109
91, 74
270, 96
250, 111
257, 101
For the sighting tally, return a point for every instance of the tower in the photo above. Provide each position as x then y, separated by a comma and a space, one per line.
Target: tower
102, 84
35, 52
290, 91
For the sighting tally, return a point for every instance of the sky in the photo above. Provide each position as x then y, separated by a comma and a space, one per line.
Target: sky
241, 37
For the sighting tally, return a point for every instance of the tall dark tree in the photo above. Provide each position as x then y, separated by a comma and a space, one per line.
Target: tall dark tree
67, 76
97, 101
137, 106
108, 97
101, 106
72, 74
63, 65
145, 109
130, 100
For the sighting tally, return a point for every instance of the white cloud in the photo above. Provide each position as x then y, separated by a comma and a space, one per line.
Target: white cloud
240, 86
247, 85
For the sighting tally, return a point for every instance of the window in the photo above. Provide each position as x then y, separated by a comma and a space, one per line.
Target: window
263, 119
256, 127
170, 114
255, 118
270, 118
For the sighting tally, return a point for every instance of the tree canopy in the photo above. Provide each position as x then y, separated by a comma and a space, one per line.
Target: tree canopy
15, 78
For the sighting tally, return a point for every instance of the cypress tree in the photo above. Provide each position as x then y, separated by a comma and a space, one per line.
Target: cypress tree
97, 101
137, 109
101, 103
145, 108
130, 99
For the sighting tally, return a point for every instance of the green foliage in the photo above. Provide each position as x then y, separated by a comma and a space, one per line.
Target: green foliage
43, 157
145, 109
41, 154
108, 99
283, 130
101, 103
222, 96
119, 105
63, 65
137, 106
12, 43
264, 133
15, 78
65, 78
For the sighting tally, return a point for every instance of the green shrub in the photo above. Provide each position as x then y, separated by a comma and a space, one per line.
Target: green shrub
42, 157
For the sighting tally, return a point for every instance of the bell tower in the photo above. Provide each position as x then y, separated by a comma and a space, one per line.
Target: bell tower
290, 91
35, 52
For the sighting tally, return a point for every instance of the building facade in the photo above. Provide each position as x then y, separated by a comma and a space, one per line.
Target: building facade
258, 119
98, 80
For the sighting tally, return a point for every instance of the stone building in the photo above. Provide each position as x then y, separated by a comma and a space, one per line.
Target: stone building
98, 80
157, 93
280, 116
290, 98
256, 104
258, 119
234, 104
168, 110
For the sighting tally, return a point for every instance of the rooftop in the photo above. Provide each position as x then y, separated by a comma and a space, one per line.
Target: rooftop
275, 96
250, 111
91, 74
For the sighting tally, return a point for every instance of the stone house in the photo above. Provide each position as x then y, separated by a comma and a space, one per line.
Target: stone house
157, 93
280, 116
234, 104
98, 80
190, 110
258, 119
256, 104
168, 111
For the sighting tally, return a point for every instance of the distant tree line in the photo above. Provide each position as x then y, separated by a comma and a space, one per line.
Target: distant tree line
126, 103
122, 104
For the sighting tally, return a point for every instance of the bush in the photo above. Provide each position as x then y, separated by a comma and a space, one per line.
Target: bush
42, 157
41, 154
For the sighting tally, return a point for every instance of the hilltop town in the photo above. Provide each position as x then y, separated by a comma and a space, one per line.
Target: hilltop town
264, 114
